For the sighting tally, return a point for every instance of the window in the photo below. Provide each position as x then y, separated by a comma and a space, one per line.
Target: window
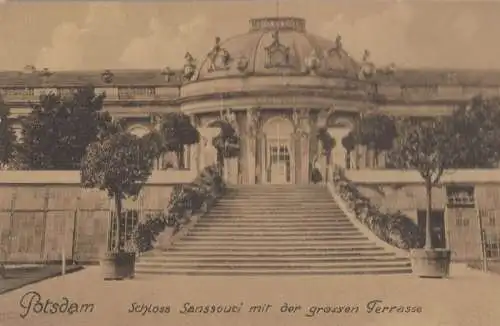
492, 221
127, 225
460, 196
462, 221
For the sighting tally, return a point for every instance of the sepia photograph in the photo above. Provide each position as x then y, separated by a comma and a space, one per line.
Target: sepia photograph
267, 162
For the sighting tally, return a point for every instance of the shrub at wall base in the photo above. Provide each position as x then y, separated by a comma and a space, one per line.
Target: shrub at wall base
396, 229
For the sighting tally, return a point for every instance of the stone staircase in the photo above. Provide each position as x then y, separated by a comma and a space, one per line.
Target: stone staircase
274, 230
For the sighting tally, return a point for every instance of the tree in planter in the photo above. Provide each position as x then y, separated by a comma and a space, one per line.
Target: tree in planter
377, 132
177, 131
120, 165
327, 144
433, 145
227, 143
349, 143
7, 136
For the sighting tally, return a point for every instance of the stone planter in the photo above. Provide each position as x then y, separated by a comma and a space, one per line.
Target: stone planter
432, 263
118, 265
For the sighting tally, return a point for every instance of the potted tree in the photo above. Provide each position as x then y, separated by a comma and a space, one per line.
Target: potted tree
119, 164
468, 138
327, 144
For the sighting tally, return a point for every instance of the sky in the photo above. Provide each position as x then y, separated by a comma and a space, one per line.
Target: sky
152, 35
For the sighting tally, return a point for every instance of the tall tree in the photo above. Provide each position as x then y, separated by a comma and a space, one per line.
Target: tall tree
119, 164
177, 132
476, 129
7, 135
377, 132
58, 130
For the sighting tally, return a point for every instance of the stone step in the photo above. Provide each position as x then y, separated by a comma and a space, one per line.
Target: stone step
280, 250
274, 265
289, 212
278, 215
278, 204
274, 234
311, 244
249, 260
264, 224
278, 197
276, 272
280, 228
249, 255
271, 219
263, 238
283, 210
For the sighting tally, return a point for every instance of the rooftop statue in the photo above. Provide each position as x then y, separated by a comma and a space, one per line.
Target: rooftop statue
189, 66
219, 58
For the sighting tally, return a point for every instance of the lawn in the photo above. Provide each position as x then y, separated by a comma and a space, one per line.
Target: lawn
22, 275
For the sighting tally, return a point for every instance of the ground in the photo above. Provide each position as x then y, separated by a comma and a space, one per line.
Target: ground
23, 275
469, 297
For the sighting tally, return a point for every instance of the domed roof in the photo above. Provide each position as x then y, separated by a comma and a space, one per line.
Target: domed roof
275, 46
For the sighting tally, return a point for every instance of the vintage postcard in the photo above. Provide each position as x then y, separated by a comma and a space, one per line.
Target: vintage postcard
249, 163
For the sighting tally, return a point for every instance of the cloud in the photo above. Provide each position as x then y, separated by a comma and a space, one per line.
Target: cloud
166, 45
384, 33
65, 51
71, 42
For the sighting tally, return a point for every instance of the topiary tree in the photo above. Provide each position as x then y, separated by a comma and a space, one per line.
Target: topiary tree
377, 132
227, 143
120, 165
327, 144
177, 131
349, 143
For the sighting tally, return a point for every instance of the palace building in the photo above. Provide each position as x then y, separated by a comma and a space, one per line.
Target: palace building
277, 83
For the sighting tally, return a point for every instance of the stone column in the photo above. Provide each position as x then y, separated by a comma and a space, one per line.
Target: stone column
194, 150
302, 123
252, 126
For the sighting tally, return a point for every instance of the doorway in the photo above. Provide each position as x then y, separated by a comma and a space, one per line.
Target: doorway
279, 162
278, 165
438, 232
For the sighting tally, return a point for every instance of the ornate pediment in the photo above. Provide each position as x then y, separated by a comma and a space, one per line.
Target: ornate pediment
219, 58
277, 54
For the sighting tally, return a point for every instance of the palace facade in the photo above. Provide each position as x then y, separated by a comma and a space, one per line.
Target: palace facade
277, 83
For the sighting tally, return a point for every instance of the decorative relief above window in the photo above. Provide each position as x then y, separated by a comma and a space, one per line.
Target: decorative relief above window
136, 92
18, 93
